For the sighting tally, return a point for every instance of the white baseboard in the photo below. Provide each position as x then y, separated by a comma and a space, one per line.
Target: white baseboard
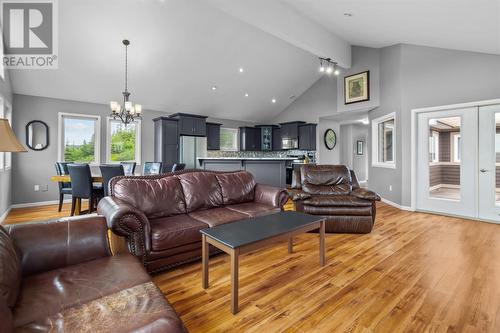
398, 206
4, 215
40, 203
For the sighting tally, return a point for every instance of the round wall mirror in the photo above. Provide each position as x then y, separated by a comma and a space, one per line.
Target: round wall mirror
330, 139
37, 135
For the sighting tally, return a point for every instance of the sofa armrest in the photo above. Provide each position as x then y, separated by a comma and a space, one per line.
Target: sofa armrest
362, 193
127, 221
298, 196
45, 246
271, 195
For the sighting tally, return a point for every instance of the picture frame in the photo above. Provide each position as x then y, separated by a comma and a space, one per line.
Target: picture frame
357, 88
359, 147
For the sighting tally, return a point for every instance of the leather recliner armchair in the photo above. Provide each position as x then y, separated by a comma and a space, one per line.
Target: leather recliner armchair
333, 191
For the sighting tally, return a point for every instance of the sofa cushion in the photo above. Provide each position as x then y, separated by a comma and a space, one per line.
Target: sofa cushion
144, 303
237, 187
174, 231
337, 200
217, 216
201, 190
48, 293
338, 210
10, 270
155, 197
326, 179
253, 209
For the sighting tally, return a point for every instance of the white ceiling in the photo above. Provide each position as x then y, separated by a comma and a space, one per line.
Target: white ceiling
179, 50
472, 25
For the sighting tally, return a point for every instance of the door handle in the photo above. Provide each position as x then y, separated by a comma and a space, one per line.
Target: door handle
483, 170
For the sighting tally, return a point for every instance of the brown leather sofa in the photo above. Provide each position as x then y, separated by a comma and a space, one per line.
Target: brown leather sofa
161, 216
60, 276
333, 191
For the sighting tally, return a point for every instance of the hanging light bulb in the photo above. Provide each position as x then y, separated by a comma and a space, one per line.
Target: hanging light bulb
336, 70
329, 69
321, 67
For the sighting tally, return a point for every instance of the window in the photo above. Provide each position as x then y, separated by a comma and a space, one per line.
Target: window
456, 147
229, 139
8, 116
434, 146
79, 138
123, 142
383, 141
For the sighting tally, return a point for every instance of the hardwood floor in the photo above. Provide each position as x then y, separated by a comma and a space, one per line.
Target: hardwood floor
415, 272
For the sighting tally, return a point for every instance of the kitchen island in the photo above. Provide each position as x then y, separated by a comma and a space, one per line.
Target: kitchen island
266, 170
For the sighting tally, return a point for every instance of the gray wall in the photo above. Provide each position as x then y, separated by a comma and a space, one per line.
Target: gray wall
350, 134
5, 175
36, 167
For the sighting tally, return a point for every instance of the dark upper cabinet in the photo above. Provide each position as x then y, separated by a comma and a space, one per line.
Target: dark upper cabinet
307, 137
277, 139
190, 124
166, 140
290, 130
266, 136
250, 139
213, 136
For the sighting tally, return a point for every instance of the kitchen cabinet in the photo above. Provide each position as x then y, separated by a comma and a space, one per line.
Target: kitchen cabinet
166, 141
290, 130
277, 139
250, 139
213, 136
191, 124
266, 136
307, 137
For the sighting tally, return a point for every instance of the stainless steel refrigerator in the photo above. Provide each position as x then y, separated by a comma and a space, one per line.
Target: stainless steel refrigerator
190, 148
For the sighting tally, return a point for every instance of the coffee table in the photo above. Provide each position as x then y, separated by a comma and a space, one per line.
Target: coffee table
255, 233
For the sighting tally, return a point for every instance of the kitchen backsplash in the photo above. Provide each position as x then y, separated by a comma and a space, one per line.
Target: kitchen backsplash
243, 154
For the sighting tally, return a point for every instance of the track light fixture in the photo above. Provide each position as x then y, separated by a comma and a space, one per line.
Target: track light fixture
326, 65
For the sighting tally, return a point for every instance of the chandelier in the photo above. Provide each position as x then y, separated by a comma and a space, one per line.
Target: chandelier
128, 112
326, 65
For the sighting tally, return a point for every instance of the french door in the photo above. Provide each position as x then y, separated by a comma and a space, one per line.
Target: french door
458, 162
489, 163
447, 143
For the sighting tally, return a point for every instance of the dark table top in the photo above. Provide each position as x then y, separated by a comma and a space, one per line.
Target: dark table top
251, 230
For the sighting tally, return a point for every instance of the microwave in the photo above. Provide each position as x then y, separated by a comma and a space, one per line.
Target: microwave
289, 144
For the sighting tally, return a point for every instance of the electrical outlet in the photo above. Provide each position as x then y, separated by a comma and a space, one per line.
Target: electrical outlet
37, 188
390, 188
44, 188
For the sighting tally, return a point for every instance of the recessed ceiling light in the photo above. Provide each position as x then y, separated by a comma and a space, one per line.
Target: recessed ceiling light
241, 70
214, 87
273, 100
246, 94
348, 14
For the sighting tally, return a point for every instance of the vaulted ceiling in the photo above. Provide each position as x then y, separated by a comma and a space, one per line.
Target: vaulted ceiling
180, 49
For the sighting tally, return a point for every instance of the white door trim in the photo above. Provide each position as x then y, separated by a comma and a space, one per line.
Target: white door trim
414, 113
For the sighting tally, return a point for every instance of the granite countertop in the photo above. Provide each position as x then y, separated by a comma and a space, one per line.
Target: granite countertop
248, 158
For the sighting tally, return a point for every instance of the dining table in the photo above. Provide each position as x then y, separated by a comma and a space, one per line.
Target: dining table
117, 244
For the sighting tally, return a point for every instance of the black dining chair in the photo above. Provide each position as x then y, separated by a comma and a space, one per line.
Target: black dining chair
152, 168
178, 167
83, 188
64, 187
108, 172
128, 168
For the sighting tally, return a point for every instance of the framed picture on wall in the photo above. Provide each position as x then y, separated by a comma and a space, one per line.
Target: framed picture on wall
357, 88
359, 147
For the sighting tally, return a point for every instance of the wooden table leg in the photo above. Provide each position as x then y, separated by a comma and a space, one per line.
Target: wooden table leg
322, 243
204, 260
78, 206
234, 280
290, 244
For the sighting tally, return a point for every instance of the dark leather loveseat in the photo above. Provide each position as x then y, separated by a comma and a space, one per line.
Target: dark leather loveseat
333, 191
60, 276
161, 216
